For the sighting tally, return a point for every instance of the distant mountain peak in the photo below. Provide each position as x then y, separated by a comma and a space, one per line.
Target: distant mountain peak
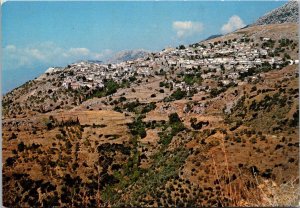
128, 55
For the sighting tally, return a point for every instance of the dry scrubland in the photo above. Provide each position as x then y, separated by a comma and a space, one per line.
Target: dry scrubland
238, 147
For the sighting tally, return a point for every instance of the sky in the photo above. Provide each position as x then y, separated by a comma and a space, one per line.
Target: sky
38, 35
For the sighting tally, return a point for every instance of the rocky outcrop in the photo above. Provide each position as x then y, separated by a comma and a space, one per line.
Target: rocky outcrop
289, 12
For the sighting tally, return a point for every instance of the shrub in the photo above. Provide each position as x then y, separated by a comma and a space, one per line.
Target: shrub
132, 105
295, 120
253, 140
215, 92
254, 88
138, 128
149, 107
21, 147
176, 126
13, 136
181, 47
122, 99
190, 79
111, 87
132, 79
173, 118
238, 139
10, 161
178, 94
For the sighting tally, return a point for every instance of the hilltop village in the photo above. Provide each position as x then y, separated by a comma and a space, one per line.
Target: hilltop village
229, 62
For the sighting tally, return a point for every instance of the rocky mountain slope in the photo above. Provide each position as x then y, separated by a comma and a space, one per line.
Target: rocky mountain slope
287, 13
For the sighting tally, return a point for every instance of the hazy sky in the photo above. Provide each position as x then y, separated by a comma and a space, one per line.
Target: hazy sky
37, 35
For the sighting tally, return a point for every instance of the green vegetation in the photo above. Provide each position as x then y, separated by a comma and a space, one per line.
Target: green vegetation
197, 125
284, 42
170, 129
166, 165
137, 127
267, 102
165, 84
287, 56
191, 79
181, 47
148, 107
269, 43
265, 67
50, 122
177, 95
295, 120
131, 106
110, 87
216, 91
21, 147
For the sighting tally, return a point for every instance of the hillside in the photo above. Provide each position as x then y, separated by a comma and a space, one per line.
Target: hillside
209, 124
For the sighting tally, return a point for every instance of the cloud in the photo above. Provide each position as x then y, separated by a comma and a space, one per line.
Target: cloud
36, 53
10, 48
187, 28
234, 22
106, 53
47, 53
79, 51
